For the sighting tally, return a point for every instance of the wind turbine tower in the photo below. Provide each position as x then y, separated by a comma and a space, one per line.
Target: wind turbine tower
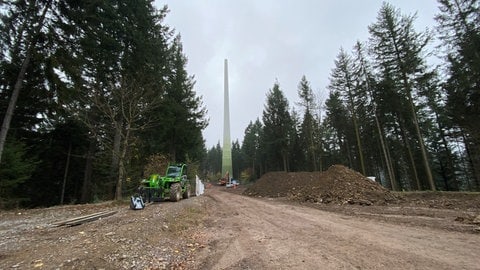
227, 144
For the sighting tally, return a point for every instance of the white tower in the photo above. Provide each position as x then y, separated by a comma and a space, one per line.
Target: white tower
227, 144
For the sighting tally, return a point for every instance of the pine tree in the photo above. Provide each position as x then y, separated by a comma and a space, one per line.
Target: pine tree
181, 115
397, 50
251, 146
342, 80
22, 38
365, 82
336, 131
308, 127
459, 29
276, 126
297, 156
116, 57
213, 162
237, 160
17, 168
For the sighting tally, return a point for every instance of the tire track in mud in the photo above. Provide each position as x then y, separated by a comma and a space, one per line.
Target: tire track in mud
251, 233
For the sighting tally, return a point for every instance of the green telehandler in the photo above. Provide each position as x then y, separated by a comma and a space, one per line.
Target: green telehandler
174, 185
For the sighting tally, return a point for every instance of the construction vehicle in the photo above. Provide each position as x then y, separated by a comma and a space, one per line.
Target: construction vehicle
224, 180
174, 185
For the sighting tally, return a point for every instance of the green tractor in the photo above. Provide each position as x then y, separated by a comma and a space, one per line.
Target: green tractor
174, 185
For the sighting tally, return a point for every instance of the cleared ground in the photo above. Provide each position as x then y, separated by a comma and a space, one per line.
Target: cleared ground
252, 233
226, 230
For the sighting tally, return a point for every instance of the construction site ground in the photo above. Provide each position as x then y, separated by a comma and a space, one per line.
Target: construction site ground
240, 229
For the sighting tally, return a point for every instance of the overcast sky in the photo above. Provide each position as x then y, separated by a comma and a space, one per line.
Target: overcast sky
269, 40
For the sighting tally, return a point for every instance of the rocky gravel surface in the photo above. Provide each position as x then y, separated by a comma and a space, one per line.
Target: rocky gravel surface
162, 236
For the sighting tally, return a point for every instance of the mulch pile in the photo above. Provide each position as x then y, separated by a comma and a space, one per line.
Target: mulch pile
338, 184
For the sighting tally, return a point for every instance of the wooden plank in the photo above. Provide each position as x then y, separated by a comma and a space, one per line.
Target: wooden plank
89, 219
72, 220
63, 222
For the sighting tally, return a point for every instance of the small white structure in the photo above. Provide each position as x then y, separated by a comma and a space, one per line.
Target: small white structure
233, 183
199, 186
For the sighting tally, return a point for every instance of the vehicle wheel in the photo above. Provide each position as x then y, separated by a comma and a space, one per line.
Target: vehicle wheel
187, 192
175, 192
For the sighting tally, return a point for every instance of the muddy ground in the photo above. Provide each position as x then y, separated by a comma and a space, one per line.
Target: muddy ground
225, 229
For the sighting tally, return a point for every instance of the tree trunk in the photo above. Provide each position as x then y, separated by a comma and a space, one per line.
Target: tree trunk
349, 155
409, 154
31, 42
395, 181
11, 105
472, 161
116, 152
65, 174
359, 143
85, 197
320, 160
284, 158
449, 168
121, 166
426, 163
388, 162
312, 146
413, 112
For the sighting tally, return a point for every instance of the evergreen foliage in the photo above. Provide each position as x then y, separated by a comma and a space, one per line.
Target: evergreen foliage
277, 123
110, 72
388, 113
16, 169
308, 133
459, 29
90, 90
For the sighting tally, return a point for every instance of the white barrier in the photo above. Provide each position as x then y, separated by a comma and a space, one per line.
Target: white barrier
199, 186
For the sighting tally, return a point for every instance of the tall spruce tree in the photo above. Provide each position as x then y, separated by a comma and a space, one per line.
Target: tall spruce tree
181, 114
366, 84
397, 49
27, 96
336, 131
251, 147
23, 36
276, 126
297, 157
238, 160
343, 80
459, 29
308, 127
213, 162
116, 58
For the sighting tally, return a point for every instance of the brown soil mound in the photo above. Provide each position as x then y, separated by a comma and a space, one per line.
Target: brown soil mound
338, 184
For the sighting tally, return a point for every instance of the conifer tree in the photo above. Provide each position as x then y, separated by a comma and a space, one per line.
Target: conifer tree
459, 29
308, 127
251, 146
22, 36
397, 49
342, 80
276, 125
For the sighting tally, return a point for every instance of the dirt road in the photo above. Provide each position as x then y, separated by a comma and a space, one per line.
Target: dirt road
252, 233
224, 230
